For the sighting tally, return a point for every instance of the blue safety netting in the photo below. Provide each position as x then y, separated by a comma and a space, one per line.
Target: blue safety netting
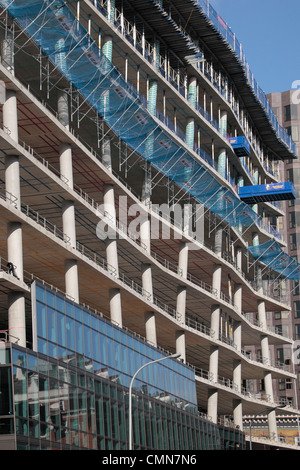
272, 255
73, 51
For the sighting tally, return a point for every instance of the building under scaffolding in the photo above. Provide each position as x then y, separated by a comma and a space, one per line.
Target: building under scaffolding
128, 130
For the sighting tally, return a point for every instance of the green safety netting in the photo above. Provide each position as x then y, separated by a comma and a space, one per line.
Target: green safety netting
73, 51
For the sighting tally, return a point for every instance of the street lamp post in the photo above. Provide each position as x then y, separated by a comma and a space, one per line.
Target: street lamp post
257, 414
174, 356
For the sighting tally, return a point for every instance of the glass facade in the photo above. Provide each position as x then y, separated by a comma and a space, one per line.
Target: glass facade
72, 334
73, 392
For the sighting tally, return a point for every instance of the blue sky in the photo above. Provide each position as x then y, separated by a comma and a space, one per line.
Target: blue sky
269, 31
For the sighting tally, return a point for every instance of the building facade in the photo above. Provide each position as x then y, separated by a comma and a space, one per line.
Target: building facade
286, 106
128, 129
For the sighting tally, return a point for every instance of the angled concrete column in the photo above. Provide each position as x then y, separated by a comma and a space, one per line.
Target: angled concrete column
16, 300
217, 278
190, 124
68, 221
183, 259
150, 327
15, 247
214, 363
223, 122
147, 181
212, 405
16, 318
145, 232
219, 241
115, 306
10, 116
147, 279
222, 162
12, 180
239, 257
272, 424
65, 161
238, 414
237, 374
63, 108
237, 298
71, 279
180, 344
181, 303
262, 318
215, 320
106, 153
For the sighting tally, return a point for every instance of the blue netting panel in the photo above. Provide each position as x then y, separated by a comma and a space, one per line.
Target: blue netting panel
72, 50
272, 255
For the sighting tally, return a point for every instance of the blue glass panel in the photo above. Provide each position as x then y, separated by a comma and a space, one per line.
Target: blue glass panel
60, 304
41, 319
19, 358
31, 362
77, 313
86, 318
40, 293
95, 346
51, 324
78, 338
70, 331
61, 329
87, 341
69, 309
50, 299
42, 346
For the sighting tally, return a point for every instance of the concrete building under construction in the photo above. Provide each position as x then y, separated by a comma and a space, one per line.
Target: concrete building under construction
140, 189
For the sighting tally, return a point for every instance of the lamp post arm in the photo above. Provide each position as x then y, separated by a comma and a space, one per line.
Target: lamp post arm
130, 391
